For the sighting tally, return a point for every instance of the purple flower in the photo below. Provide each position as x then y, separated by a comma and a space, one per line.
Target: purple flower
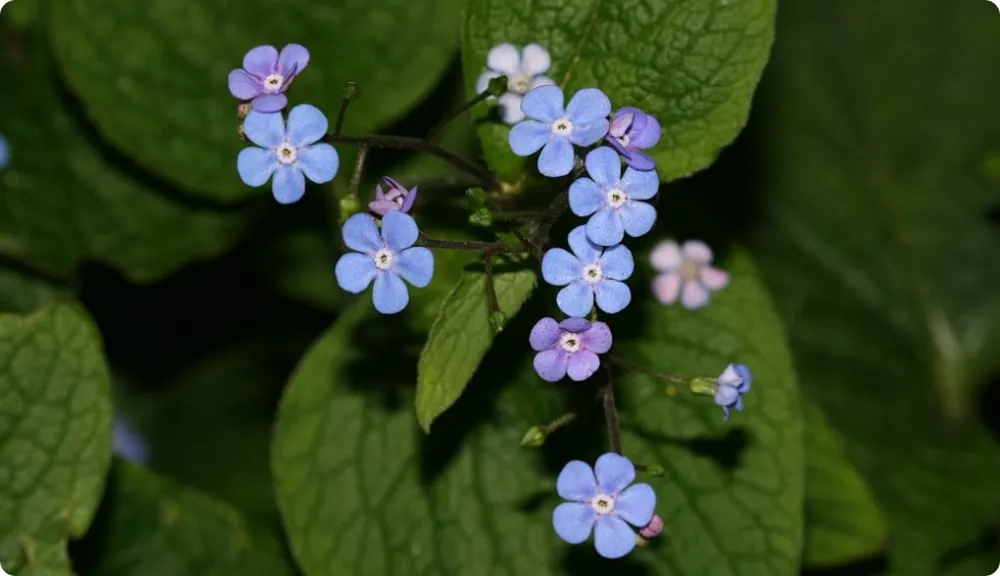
290, 154
632, 130
554, 129
610, 501
388, 257
568, 347
590, 272
523, 70
128, 443
615, 201
734, 382
686, 271
653, 529
397, 198
266, 75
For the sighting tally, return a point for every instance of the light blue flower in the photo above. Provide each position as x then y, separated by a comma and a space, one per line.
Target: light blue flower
614, 200
590, 272
734, 383
4, 153
287, 153
554, 129
610, 502
128, 443
384, 256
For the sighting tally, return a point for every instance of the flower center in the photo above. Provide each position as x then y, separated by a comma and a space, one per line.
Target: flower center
287, 153
603, 504
384, 259
562, 127
273, 82
616, 197
570, 342
624, 140
593, 273
690, 270
519, 83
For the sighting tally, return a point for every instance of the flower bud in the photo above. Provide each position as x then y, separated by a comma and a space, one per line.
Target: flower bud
533, 438
481, 217
477, 197
655, 470
243, 110
497, 86
653, 529
498, 320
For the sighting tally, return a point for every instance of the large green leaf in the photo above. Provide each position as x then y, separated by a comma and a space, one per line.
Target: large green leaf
66, 199
55, 436
153, 76
879, 249
693, 64
21, 293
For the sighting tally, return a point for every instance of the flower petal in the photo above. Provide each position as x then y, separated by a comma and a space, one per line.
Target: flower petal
269, 103
409, 199
399, 231
416, 266
585, 250
575, 325
288, 184
505, 59
585, 197
585, 134
361, 233
382, 207
528, 136
306, 124
617, 263
550, 365
293, 60
582, 365
649, 135
666, 287
614, 143
544, 103
614, 473
319, 162
355, 272
483, 82
612, 296
541, 81
726, 395
713, 278
577, 299
694, 295
730, 377
636, 505
639, 160
640, 185
559, 267
666, 257
747, 377
573, 522
638, 218
535, 60
587, 105
242, 85
255, 165
556, 158
390, 295
598, 339
261, 61
264, 130
510, 108
606, 228
612, 537
697, 251
576, 482
605, 167
621, 121
544, 334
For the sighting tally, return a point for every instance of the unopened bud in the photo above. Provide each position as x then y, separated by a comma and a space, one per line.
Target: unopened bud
655, 470
477, 197
703, 386
509, 239
240, 132
533, 438
350, 90
497, 86
349, 206
653, 529
481, 217
498, 320
243, 110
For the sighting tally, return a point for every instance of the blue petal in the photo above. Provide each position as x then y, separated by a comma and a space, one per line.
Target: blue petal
528, 137
355, 272
636, 505
587, 134
604, 166
617, 263
612, 537
613, 296
573, 522
544, 103
576, 482
319, 162
399, 230
264, 130
306, 124
640, 185
586, 251
416, 266
559, 267
614, 473
255, 165
556, 158
576, 300
638, 218
288, 185
606, 228
390, 294
726, 395
361, 233
587, 105
745, 375
269, 103
585, 197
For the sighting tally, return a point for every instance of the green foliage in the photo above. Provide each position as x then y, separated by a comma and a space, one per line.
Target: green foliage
878, 246
693, 64
23, 294
55, 436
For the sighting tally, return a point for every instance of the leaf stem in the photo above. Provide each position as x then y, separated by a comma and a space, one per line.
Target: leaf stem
350, 91
629, 365
466, 245
611, 414
558, 423
359, 167
433, 133
491, 289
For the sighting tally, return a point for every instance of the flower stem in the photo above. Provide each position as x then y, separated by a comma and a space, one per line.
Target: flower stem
611, 414
522, 215
466, 245
433, 133
359, 167
558, 423
350, 91
629, 365
491, 289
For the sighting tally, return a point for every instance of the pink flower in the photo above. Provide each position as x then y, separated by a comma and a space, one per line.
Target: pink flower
396, 198
685, 271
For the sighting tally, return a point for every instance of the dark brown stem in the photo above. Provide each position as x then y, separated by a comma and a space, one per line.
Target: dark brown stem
611, 414
629, 365
350, 90
558, 423
491, 289
359, 167
455, 114
466, 245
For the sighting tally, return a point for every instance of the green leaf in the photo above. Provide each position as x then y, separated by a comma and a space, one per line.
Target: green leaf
843, 522
68, 200
878, 248
693, 64
461, 336
55, 436
156, 87
21, 293
150, 526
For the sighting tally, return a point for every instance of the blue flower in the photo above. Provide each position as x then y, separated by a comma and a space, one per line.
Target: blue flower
583, 122
590, 271
734, 382
128, 443
385, 257
4, 153
287, 153
613, 199
610, 501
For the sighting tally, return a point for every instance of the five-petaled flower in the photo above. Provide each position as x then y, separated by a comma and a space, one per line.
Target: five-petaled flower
266, 75
554, 129
385, 256
397, 198
568, 347
610, 501
590, 271
734, 383
524, 71
615, 201
631, 131
686, 271
287, 153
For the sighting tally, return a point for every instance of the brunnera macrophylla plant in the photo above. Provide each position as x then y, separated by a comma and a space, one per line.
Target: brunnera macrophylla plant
611, 183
